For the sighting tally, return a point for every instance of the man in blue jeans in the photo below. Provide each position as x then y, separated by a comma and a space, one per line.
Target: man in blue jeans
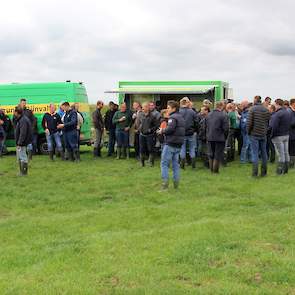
257, 126
246, 155
191, 122
173, 140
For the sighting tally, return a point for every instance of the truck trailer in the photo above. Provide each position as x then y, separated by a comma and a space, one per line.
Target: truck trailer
39, 96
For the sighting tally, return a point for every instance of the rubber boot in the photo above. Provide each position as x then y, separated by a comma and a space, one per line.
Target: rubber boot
142, 158
151, 160
99, 152
211, 165
62, 155
25, 168
254, 170
20, 168
127, 153
176, 184
51, 155
71, 156
77, 156
182, 164
215, 166
95, 152
292, 162
286, 168
280, 168
263, 170
30, 155
194, 163
165, 185
119, 153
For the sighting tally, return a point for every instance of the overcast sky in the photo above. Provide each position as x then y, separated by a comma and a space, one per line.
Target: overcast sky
250, 44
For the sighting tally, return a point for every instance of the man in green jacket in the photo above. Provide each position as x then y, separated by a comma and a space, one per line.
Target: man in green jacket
123, 121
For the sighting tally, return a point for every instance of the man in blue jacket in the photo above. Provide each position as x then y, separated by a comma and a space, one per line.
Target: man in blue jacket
280, 129
246, 148
191, 122
173, 140
70, 132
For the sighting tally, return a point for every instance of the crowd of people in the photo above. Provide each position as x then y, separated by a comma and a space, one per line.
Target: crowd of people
253, 130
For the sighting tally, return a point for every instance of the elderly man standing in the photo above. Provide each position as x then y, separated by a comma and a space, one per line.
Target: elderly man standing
50, 122
98, 124
257, 126
280, 129
23, 137
217, 128
191, 122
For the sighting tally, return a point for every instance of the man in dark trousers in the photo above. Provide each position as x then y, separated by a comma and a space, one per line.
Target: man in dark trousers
280, 130
110, 127
70, 132
257, 126
217, 128
98, 124
174, 135
50, 122
29, 114
23, 136
292, 133
191, 123
5, 126
148, 124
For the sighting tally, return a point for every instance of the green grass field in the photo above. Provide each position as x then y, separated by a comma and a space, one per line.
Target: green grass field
103, 227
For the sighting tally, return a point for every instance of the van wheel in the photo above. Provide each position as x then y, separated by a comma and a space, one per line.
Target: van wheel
43, 147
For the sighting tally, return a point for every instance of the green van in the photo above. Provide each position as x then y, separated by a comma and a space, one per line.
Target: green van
39, 96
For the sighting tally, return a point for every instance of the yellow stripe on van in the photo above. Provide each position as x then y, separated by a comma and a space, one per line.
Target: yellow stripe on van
42, 108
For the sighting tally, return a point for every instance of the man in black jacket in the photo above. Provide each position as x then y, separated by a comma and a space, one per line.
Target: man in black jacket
292, 133
70, 132
23, 136
217, 128
280, 129
98, 124
110, 127
191, 123
174, 135
50, 122
5, 125
257, 127
148, 124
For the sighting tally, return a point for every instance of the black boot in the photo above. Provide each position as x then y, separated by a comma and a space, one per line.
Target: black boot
142, 158
194, 163
286, 168
182, 164
211, 165
51, 155
95, 152
292, 162
20, 168
62, 155
119, 153
77, 156
254, 170
71, 156
263, 170
25, 168
127, 153
215, 166
99, 152
165, 185
280, 168
151, 160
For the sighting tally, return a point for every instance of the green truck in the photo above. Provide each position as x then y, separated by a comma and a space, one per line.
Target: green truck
39, 96
162, 91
